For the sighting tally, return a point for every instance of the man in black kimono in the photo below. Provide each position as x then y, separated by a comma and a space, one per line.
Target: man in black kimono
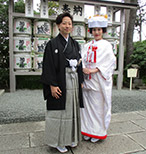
62, 79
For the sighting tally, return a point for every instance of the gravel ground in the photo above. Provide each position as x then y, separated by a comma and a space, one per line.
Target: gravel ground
28, 105
126, 100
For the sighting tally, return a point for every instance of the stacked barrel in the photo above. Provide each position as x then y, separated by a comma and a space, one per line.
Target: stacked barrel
55, 31
22, 44
79, 33
42, 34
29, 47
111, 34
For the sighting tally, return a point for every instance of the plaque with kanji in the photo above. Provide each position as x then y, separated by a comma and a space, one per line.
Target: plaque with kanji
44, 9
75, 9
29, 8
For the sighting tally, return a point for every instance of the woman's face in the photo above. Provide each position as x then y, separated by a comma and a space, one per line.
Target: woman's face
97, 33
65, 26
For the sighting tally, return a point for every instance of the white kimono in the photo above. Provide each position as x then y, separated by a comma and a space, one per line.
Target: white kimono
97, 89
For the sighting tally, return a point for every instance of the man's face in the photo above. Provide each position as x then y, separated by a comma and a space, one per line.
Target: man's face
65, 26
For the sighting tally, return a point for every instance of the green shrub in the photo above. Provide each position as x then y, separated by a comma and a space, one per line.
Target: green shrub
28, 82
4, 78
138, 57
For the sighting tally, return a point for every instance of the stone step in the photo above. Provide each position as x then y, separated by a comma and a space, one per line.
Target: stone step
1, 91
141, 87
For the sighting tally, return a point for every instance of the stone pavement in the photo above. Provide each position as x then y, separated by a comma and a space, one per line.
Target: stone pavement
126, 135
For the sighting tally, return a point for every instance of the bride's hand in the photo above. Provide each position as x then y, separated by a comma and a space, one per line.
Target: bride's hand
86, 71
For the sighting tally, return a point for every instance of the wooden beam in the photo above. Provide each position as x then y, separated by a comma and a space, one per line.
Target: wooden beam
121, 53
106, 3
27, 73
11, 56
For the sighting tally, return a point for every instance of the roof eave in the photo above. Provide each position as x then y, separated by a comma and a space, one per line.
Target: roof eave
107, 3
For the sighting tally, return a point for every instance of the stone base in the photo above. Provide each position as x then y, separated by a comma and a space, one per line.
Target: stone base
1, 91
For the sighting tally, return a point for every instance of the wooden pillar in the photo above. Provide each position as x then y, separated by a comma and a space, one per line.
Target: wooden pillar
121, 54
11, 57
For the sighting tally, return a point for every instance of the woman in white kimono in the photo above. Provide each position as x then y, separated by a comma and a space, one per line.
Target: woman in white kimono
98, 66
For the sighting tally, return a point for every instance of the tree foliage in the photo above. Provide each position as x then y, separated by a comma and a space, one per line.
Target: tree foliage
19, 6
4, 48
53, 7
140, 18
139, 57
4, 33
4, 39
130, 32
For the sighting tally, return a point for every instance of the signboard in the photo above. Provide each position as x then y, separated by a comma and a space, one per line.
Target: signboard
75, 9
29, 8
109, 12
97, 9
44, 9
132, 72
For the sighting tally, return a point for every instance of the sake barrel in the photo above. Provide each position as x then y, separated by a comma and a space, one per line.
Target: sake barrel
37, 63
22, 44
55, 30
78, 31
111, 33
22, 62
40, 44
42, 28
81, 43
22, 26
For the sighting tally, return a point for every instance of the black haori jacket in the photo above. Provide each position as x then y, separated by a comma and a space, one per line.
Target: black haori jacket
53, 72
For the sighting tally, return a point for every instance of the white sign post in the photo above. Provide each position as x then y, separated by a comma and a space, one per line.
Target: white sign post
132, 72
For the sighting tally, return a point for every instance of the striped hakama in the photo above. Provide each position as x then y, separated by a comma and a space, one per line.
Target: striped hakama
63, 126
